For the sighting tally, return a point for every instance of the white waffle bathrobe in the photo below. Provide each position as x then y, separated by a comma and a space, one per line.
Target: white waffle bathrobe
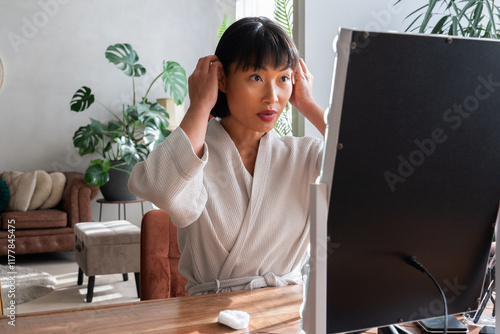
230, 223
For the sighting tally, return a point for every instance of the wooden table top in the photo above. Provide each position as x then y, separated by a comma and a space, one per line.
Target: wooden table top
272, 310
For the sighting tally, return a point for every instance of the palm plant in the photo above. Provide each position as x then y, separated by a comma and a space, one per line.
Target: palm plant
283, 15
142, 126
226, 22
468, 18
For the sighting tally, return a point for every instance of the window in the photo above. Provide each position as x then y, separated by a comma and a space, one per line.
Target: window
254, 8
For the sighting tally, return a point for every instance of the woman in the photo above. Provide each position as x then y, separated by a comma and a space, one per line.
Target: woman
238, 193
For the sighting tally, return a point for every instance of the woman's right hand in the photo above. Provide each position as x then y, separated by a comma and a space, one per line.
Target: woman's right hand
204, 83
203, 92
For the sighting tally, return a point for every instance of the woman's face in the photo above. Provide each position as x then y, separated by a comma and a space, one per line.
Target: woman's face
256, 98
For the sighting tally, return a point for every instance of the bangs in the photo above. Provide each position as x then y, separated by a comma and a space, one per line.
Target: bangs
266, 48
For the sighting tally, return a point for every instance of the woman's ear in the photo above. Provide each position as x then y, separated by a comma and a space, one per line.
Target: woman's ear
222, 80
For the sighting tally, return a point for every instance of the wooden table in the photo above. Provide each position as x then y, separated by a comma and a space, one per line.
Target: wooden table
272, 310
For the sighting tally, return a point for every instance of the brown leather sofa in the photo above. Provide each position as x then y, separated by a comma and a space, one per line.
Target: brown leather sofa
159, 275
49, 230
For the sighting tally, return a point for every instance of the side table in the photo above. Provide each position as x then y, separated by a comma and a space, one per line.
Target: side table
102, 201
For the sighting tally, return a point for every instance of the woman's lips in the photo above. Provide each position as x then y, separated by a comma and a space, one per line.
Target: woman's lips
267, 116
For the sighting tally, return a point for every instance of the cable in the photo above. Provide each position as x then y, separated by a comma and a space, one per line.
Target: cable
412, 260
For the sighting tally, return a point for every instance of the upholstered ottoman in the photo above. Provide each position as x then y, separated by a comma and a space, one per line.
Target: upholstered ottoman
103, 248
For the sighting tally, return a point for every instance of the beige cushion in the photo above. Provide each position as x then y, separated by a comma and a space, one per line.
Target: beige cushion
34, 190
58, 183
42, 191
21, 188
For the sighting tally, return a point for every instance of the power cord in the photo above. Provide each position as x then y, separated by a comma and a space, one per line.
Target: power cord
412, 260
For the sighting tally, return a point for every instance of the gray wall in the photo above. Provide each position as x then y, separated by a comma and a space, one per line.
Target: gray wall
322, 21
50, 48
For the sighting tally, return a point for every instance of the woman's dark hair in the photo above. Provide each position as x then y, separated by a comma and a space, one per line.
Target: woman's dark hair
253, 42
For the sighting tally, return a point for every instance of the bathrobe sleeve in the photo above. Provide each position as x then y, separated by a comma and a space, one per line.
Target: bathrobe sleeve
172, 179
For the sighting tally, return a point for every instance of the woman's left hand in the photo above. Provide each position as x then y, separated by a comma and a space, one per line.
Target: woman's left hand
302, 89
302, 96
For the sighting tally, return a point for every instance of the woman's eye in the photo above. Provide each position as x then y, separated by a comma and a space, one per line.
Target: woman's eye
285, 78
255, 77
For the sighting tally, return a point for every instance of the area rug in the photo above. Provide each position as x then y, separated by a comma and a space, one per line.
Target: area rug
30, 284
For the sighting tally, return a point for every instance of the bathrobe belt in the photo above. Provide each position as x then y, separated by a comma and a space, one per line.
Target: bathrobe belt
248, 282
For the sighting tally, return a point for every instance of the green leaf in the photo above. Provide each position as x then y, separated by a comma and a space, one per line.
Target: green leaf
114, 127
97, 172
82, 99
131, 113
226, 22
491, 27
175, 80
428, 15
416, 10
487, 31
408, 29
458, 12
462, 14
464, 17
283, 126
164, 133
152, 115
477, 18
438, 28
107, 148
156, 135
131, 152
454, 26
283, 15
98, 127
86, 139
469, 4
125, 58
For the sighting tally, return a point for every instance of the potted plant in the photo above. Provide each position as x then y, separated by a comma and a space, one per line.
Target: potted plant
130, 136
467, 18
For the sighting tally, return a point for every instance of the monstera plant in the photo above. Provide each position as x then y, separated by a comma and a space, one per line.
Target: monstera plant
136, 129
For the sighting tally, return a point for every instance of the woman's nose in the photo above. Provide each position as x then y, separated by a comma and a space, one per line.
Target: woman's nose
270, 94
